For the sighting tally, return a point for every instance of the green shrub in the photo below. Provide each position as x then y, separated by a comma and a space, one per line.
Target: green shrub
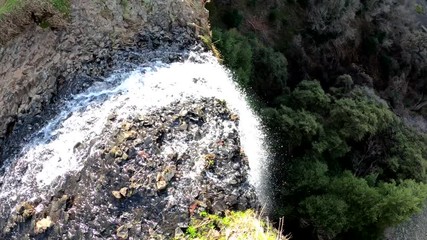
269, 73
347, 164
237, 53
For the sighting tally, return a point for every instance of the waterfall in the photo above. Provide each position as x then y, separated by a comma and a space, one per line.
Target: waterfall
56, 150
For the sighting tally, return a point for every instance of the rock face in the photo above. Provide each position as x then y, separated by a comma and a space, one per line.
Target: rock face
41, 66
145, 179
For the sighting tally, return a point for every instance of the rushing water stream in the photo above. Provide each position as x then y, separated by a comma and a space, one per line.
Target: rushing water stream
54, 151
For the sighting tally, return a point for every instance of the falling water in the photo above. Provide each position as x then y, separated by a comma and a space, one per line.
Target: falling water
52, 154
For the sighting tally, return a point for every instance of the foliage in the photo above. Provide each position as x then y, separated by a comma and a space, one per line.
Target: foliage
345, 166
257, 67
270, 73
236, 51
8, 6
419, 9
350, 203
233, 18
234, 225
335, 185
64, 6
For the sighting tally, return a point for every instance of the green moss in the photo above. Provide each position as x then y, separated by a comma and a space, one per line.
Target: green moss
44, 24
235, 225
9, 6
64, 6
192, 232
419, 9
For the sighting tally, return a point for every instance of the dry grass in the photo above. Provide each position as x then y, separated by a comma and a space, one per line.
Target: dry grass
18, 15
246, 225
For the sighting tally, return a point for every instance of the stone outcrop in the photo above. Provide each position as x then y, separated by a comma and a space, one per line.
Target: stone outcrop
145, 178
42, 65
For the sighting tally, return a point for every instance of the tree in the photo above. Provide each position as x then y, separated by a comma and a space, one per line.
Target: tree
237, 53
270, 73
348, 162
350, 203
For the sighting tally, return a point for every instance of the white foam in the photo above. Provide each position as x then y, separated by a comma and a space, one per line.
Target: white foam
49, 159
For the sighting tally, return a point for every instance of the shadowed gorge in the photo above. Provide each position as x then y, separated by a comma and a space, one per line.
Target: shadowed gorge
341, 87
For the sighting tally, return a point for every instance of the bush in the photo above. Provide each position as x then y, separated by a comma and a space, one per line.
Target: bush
270, 73
348, 164
257, 67
237, 53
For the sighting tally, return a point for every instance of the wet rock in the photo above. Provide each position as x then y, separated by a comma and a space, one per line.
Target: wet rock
179, 233
43, 224
124, 191
127, 135
168, 173
234, 117
116, 152
183, 126
123, 232
161, 184
112, 116
25, 209
219, 207
166, 177
124, 156
117, 194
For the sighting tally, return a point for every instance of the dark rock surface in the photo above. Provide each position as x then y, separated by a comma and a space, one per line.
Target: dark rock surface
41, 66
144, 178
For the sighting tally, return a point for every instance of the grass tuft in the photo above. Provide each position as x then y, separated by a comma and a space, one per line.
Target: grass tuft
207, 40
17, 15
7, 6
62, 6
245, 225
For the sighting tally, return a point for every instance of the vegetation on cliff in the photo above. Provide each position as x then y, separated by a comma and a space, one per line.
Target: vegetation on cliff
9, 7
234, 225
16, 15
346, 166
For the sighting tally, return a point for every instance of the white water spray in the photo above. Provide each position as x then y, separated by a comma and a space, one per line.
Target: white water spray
44, 163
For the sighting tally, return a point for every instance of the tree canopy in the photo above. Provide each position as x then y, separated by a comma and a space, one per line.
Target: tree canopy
345, 166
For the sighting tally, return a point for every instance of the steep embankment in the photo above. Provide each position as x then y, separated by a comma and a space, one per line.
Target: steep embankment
42, 63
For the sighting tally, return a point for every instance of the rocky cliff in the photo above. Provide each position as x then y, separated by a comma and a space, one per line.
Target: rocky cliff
115, 126
42, 65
